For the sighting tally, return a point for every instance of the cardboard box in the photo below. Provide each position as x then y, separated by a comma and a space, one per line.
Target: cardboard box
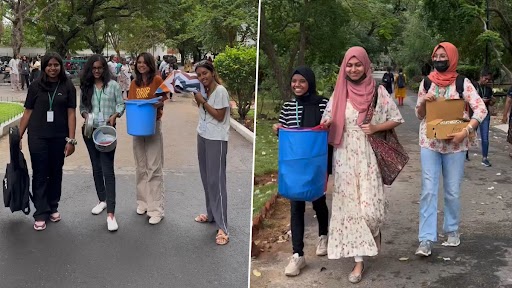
444, 110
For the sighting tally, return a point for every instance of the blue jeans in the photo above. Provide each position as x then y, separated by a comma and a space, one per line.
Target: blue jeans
452, 167
484, 134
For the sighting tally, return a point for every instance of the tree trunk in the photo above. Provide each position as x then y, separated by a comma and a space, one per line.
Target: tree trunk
302, 41
17, 30
183, 55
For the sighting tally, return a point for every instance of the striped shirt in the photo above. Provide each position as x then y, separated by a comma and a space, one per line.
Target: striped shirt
291, 113
105, 101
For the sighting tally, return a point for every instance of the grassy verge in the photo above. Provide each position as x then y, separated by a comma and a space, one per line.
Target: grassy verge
9, 110
265, 158
265, 164
261, 195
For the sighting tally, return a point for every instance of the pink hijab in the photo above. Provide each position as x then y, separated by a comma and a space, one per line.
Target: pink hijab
360, 95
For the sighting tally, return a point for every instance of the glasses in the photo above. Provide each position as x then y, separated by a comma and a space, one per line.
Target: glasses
97, 68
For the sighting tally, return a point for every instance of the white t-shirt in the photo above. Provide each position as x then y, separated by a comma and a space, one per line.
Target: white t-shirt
112, 67
14, 66
210, 128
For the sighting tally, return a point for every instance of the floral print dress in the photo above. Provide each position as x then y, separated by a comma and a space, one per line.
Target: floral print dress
358, 202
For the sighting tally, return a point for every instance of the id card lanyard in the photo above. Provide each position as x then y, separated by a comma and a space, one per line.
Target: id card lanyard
50, 114
446, 93
101, 119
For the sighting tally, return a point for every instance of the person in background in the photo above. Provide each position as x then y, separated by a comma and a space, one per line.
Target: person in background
102, 98
400, 87
305, 110
485, 91
124, 78
148, 150
14, 73
112, 66
36, 69
359, 204
387, 79
443, 157
24, 68
50, 116
507, 117
162, 67
212, 148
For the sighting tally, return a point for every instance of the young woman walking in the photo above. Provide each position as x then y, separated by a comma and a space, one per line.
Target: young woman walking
358, 201
51, 121
305, 110
101, 97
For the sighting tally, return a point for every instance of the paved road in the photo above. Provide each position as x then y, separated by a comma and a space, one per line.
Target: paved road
484, 259
80, 252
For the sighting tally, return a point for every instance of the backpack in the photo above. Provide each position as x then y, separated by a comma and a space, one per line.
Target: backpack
400, 81
16, 182
386, 78
459, 84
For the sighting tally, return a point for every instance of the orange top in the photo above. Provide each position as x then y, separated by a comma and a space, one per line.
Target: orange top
146, 92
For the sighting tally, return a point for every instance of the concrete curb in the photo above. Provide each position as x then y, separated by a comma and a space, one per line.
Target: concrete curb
242, 130
4, 127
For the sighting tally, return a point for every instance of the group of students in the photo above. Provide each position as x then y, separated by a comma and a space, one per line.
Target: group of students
23, 71
359, 203
50, 118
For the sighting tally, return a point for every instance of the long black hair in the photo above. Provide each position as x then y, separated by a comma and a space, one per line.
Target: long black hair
209, 66
45, 83
87, 79
150, 62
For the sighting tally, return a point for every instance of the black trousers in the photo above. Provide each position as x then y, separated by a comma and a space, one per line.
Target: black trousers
25, 79
297, 221
47, 156
103, 174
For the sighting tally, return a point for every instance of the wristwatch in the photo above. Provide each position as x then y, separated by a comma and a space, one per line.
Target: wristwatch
71, 141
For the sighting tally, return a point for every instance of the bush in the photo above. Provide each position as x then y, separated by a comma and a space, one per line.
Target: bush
237, 67
412, 71
326, 76
472, 72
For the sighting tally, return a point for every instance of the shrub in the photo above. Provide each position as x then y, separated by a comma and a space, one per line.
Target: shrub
472, 72
237, 67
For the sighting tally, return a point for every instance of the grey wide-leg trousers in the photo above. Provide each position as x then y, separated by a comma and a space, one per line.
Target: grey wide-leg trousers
212, 165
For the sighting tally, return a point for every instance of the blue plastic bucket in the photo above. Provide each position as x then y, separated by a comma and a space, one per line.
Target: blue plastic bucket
141, 117
302, 164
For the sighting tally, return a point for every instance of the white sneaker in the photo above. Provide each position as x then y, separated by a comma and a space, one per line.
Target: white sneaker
296, 263
321, 247
99, 208
141, 211
155, 220
112, 224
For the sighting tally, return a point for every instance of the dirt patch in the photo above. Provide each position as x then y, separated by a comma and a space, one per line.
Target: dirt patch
265, 179
249, 124
275, 229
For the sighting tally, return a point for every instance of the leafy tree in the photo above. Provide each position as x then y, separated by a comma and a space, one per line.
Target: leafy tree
19, 12
237, 67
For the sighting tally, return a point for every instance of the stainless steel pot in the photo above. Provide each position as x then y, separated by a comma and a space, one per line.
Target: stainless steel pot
88, 125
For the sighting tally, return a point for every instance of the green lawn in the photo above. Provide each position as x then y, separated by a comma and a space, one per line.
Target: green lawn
9, 110
265, 158
261, 195
265, 162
